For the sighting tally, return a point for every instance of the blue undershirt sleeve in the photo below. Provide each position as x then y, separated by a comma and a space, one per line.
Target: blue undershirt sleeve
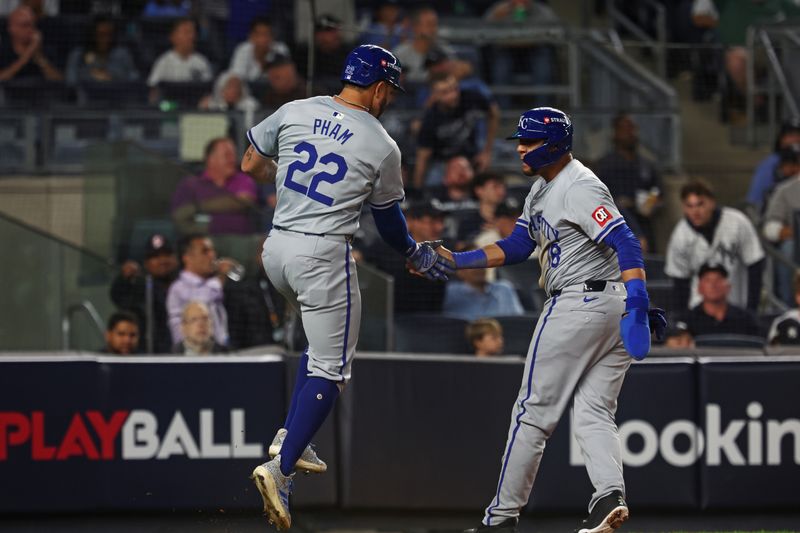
629, 252
392, 227
518, 246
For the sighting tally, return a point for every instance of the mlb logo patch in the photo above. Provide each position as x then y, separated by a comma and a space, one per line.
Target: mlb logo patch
383, 63
547, 120
337, 115
601, 216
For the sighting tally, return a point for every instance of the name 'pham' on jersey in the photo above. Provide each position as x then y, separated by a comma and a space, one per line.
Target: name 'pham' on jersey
323, 127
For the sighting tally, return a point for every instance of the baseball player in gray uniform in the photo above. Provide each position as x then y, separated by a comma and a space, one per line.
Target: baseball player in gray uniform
596, 315
327, 155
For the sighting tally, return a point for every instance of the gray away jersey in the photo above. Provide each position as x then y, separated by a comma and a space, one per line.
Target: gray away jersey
569, 218
331, 158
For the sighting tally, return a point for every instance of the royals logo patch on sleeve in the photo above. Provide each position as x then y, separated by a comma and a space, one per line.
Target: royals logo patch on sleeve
602, 216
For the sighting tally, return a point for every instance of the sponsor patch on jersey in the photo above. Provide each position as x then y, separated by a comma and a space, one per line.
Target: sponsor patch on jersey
602, 216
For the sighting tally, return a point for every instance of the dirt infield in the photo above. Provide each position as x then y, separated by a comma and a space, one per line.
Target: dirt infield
307, 521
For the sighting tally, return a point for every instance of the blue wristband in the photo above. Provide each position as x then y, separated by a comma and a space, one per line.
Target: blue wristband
471, 259
637, 295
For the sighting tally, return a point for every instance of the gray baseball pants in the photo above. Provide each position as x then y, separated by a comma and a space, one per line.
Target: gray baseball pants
576, 353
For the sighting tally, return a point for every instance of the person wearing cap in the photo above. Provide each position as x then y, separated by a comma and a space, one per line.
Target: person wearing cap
129, 290
715, 315
439, 61
785, 329
250, 59
285, 83
779, 218
330, 53
450, 127
489, 189
412, 294
765, 174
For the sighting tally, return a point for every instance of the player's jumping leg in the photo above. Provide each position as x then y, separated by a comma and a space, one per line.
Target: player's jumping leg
308, 461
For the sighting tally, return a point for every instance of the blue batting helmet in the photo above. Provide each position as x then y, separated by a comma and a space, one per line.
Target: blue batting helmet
369, 63
552, 125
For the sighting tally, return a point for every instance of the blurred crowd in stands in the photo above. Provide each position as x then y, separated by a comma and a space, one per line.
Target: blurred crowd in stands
244, 56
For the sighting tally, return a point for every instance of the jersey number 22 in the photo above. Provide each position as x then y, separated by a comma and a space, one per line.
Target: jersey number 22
306, 166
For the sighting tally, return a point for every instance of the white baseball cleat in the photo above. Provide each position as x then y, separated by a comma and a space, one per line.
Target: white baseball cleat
275, 489
308, 461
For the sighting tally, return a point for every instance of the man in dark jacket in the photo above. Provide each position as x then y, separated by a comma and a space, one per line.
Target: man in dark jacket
129, 291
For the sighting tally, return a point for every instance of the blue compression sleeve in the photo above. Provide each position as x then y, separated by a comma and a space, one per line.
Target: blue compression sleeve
392, 226
629, 252
518, 246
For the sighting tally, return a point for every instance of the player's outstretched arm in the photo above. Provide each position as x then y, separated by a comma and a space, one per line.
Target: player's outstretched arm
515, 248
422, 257
639, 320
259, 168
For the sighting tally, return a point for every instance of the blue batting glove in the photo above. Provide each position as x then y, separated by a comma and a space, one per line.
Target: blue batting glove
428, 263
634, 326
658, 322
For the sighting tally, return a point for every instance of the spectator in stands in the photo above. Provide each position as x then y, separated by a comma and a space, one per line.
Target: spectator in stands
779, 218
439, 62
101, 58
450, 126
503, 223
412, 294
473, 296
40, 8
330, 53
285, 84
522, 63
129, 290
412, 53
721, 236
198, 331
734, 19
455, 188
201, 279
633, 181
716, 314
785, 329
222, 195
489, 188
22, 55
767, 173
182, 63
388, 27
122, 334
678, 336
250, 59
230, 93
485, 335
167, 8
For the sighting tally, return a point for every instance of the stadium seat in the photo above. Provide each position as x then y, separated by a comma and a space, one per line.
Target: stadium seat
430, 333
729, 340
113, 94
517, 333
34, 94
186, 94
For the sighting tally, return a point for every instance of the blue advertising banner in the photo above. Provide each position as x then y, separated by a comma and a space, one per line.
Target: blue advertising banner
750, 422
88, 432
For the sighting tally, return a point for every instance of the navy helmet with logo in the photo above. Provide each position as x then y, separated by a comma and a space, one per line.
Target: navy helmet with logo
369, 63
551, 125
